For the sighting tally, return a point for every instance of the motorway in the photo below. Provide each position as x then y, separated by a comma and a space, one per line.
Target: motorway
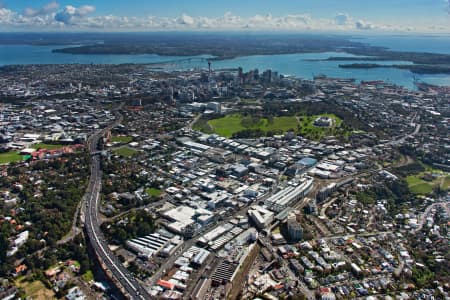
110, 263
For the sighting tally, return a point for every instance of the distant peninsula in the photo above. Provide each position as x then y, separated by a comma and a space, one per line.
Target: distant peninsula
379, 54
417, 69
219, 46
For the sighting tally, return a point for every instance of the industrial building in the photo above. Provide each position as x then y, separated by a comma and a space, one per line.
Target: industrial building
223, 273
287, 196
200, 258
329, 189
261, 216
193, 146
219, 236
153, 244
185, 219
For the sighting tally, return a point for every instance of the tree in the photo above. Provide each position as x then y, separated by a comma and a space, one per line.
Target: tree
422, 276
298, 297
133, 267
3, 247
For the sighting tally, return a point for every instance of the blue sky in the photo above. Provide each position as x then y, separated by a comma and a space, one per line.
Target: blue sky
297, 15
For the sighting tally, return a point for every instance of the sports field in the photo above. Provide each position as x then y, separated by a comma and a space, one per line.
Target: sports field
125, 151
9, 157
47, 146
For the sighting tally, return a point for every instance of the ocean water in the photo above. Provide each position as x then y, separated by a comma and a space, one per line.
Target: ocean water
413, 43
27, 54
304, 65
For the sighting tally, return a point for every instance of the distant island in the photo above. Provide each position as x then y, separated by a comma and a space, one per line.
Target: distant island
423, 63
379, 54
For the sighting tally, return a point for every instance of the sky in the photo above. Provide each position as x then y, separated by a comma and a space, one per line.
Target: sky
408, 16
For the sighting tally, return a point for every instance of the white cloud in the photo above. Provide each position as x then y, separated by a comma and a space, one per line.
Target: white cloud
80, 18
7, 16
363, 25
342, 19
45, 10
258, 19
186, 20
71, 15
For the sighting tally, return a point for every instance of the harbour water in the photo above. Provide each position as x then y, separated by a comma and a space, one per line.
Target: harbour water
304, 65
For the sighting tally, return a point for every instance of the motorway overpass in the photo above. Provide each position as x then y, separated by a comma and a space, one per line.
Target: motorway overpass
119, 275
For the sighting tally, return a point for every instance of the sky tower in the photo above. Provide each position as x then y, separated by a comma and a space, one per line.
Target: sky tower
209, 74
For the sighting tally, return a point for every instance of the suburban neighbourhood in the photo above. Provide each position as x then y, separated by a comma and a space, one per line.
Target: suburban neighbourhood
128, 181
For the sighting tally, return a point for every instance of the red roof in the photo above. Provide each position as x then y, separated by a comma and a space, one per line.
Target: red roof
278, 286
21, 268
166, 284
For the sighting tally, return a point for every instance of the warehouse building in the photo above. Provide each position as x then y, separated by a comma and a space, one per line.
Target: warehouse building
153, 244
261, 216
287, 196
200, 258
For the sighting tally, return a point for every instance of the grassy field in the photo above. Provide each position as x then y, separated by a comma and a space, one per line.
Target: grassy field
446, 184
47, 146
125, 151
419, 186
153, 192
228, 125
35, 290
231, 124
9, 157
121, 139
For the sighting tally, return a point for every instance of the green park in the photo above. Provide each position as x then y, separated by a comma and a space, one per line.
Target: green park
234, 124
10, 157
125, 151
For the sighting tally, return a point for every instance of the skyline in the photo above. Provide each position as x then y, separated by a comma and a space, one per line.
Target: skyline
254, 15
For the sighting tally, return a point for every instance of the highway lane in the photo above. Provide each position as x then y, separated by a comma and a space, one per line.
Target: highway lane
120, 275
